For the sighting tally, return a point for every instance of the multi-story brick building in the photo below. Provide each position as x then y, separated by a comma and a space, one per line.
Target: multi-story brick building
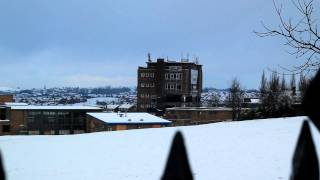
165, 83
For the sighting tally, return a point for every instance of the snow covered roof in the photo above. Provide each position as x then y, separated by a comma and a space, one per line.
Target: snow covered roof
4, 120
125, 106
55, 108
128, 118
255, 100
112, 106
15, 104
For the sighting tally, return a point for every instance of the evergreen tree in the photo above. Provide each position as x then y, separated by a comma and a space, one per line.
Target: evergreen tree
283, 84
276, 102
293, 85
303, 84
263, 84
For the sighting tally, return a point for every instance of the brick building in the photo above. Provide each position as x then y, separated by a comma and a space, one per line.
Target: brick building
6, 98
27, 119
164, 83
197, 115
123, 121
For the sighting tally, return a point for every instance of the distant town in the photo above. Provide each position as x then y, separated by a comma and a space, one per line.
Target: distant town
168, 93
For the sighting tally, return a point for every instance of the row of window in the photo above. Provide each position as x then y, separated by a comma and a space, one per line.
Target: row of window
148, 96
173, 86
173, 76
143, 106
52, 132
147, 75
34, 113
147, 85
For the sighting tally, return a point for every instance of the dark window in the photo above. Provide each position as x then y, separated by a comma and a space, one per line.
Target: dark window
6, 128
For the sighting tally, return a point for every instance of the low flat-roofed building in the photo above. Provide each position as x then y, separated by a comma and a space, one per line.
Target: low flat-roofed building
28, 119
123, 121
197, 115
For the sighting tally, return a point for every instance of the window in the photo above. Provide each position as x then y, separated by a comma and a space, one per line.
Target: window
64, 132
142, 95
178, 76
167, 76
142, 74
172, 86
33, 132
167, 86
147, 74
142, 84
171, 76
6, 128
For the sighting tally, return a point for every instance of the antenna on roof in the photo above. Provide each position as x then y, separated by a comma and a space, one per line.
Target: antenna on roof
149, 57
187, 56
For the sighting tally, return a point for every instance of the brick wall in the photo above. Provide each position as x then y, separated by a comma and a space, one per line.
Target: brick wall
6, 98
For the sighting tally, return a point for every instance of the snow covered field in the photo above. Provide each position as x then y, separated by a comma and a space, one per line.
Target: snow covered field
248, 150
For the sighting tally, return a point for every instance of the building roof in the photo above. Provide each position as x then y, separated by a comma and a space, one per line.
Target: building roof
126, 106
129, 118
55, 108
15, 104
112, 106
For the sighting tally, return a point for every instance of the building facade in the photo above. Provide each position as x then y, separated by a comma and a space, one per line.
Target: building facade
197, 115
6, 98
164, 84
48, 120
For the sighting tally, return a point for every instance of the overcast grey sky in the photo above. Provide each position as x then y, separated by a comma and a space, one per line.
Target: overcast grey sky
102, 42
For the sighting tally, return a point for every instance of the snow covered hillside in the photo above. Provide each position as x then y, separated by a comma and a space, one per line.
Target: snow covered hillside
250, 150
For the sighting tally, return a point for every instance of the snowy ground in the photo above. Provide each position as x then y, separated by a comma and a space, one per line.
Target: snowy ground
250, 150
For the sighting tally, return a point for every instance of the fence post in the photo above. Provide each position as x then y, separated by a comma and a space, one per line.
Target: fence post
177, 167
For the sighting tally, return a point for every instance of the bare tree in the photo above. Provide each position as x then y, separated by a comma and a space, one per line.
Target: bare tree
235, 99
301, 36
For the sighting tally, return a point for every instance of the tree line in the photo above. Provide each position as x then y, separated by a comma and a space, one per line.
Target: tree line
277, 97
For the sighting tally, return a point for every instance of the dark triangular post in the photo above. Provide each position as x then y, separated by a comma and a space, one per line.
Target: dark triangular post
2, 173
177, 167
305, 161
311, 100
